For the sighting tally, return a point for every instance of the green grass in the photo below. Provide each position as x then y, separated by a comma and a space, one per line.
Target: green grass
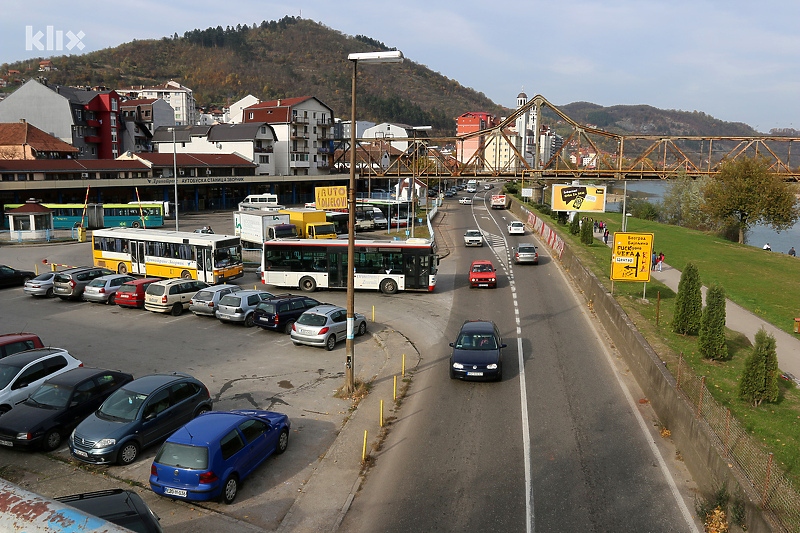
765, 283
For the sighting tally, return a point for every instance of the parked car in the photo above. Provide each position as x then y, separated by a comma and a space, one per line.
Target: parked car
41, 285
239, 306
525, 253
53, 410
23, 372
11, 277
325, 325
466, 200
516, 228
205, 301
70, 284
137, 415
119, 506
477, 352
281, 312
482, 274
131, 293
12, 343
211, 455
104, 288
171, 295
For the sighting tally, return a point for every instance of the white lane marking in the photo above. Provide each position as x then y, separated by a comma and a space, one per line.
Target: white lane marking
526, 436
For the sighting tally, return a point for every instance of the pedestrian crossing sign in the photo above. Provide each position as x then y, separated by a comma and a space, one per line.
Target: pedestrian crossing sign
631, 256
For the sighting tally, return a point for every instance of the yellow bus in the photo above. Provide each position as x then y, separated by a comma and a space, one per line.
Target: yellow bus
169, 254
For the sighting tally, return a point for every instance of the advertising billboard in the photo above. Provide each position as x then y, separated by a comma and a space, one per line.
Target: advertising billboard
583, 198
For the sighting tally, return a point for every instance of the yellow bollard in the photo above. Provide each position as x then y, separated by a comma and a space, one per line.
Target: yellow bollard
395, 387
364, 450
404, 365
381, 413
36, 265
255, 288
373, 313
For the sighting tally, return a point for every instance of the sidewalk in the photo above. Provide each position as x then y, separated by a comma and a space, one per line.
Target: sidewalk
740, 319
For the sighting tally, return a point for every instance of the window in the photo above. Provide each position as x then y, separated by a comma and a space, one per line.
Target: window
158, 403
250, 115
113, 104
85, 391
113, 120
263, 159
105, 382
33, 373
230, 444
252, 429
181, 391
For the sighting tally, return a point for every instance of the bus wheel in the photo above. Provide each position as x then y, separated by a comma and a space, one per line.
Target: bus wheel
135, 224
122, 268
308, 284
388, 286
186, 274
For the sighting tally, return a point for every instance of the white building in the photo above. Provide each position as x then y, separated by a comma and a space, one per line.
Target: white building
180, 98
390, 131
236, 109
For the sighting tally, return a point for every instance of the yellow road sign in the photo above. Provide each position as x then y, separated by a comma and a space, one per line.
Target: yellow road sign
630, 256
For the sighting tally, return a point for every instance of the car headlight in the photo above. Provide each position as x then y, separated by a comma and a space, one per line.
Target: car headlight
24, 436
105, 443
493, 366
491, 279
458, 366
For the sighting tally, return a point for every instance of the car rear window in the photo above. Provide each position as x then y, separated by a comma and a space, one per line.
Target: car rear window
97, 283
183, 456
312, 319
127, 288
267, 307
62, 278
204, 296
230, 299
44, 277
155, 290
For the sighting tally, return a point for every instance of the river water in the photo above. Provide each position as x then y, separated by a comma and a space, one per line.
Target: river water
758, 235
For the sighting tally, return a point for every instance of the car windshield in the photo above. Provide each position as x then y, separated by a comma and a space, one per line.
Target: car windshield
482, 268
50, 395
44, 277
7, 373
183, 456
473, 233
476, 341
122, 405
312, 319
97, 283
230, 300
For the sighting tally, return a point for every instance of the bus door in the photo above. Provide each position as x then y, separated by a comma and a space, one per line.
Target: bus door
137, 258
205, 270
416, 269
337, 269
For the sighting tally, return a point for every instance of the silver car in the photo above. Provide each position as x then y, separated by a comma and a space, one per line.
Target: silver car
205, 302
102, 289
41, 285
525, 253
239, 306
325, 325
23, 372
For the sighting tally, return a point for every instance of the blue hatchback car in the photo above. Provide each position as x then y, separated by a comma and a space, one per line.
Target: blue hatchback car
211, 455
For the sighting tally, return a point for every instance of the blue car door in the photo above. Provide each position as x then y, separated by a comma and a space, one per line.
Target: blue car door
260, 442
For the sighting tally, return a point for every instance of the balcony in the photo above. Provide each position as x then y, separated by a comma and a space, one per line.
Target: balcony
299, 135
263, 149
299, 150
299, 120
92, 123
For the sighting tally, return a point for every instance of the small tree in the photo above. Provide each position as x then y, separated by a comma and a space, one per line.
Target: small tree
759, 379
587, 237
712, 325
688, 303
575, 225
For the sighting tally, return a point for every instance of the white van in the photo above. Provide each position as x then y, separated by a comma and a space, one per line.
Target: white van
260, 201
379, 219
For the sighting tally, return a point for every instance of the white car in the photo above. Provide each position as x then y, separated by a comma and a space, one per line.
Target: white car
465, 201
516, 228
23, 372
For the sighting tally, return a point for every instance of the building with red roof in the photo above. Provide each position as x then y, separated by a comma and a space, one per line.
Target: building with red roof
20, 140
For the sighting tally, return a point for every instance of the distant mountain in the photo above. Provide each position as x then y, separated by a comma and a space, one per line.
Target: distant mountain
299, 57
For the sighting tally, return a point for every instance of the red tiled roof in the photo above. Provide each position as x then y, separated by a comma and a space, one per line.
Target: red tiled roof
139, 101
283, 102
22, 133
33, 207
72, 165
195, 160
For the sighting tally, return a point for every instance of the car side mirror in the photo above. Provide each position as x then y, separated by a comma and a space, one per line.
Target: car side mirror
150, 416
503, 345
451, 344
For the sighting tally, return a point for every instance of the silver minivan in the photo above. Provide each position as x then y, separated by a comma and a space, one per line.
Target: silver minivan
239, 306
171, 295
69, 284
205, 301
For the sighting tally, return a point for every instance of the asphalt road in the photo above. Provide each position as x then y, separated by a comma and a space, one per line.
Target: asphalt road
561, 444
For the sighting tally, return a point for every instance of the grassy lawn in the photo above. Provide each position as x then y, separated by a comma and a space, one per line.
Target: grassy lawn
763, 282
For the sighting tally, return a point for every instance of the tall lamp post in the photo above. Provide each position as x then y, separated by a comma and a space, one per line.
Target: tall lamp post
414, 173
368, 57
175, 174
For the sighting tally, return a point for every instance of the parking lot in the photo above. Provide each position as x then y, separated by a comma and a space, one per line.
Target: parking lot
242, 368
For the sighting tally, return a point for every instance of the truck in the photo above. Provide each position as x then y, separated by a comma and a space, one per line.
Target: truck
499, 201
261, 226
311, 223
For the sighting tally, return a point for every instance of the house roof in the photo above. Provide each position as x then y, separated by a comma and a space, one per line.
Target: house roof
163, 134
23, 133
194, 160
137, 102
283, 102
246, 131
71, 165
75, 95
30, 207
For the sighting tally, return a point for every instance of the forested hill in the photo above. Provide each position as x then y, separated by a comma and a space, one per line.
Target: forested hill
299, 57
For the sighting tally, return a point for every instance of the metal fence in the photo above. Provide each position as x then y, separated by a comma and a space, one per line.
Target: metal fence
777, 493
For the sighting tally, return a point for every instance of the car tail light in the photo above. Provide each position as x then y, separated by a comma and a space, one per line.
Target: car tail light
516, 255
323, 331
153, 470
102, 291
72, 284
294, 327
207, 477
211, 304
80, 364
164, 299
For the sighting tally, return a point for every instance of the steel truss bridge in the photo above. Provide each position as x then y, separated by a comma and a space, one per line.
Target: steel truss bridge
617, 157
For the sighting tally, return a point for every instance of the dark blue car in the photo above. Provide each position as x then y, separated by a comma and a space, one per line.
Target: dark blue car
211, 455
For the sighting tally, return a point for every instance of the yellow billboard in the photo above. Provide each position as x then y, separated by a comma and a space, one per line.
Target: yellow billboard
586, 199
630, 256
330, 198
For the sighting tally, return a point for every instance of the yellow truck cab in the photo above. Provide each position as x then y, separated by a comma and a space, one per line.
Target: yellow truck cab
311, 223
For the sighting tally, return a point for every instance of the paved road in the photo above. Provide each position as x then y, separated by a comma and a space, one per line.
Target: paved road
562, 444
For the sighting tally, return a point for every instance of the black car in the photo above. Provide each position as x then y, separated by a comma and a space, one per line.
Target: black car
11, 277
121, 507
281, 312
477, 352
57, 406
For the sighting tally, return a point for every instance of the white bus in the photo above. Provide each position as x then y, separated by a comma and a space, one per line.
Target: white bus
212, 258
388, 266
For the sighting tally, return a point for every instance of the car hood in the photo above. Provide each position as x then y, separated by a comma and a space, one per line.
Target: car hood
96, 428
474, 357
270, 416
27, 418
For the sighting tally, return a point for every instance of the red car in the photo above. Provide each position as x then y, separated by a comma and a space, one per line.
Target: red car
482, 274
131, 293
12, 343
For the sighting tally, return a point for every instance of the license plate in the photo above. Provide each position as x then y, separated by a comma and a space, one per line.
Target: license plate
483, 284
6, 443
59, 289
174, 492
304, 331
81, 453
474, 373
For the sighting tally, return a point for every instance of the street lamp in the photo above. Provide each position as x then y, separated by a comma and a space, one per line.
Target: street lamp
175, 173
368, 57
414, 173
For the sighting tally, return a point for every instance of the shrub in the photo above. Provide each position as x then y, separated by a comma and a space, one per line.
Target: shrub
575, 225
587, 235
712, 325
759, 379
688, 302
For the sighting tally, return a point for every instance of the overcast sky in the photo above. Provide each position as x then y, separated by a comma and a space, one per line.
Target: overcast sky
737, 61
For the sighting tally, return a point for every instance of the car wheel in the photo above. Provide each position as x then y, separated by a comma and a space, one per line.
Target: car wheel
186, 274
49, 293
110, 300
308, 284
229, 489
288, 327
388, 286
128, 453
122, 268
51, 440
330, 343
177, 309
248, 321
283, 442
362, 329
203, 410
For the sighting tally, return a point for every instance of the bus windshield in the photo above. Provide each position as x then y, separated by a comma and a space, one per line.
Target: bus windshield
229, 255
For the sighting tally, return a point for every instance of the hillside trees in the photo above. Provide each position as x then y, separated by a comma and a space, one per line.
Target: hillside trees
683, 201
744, 190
